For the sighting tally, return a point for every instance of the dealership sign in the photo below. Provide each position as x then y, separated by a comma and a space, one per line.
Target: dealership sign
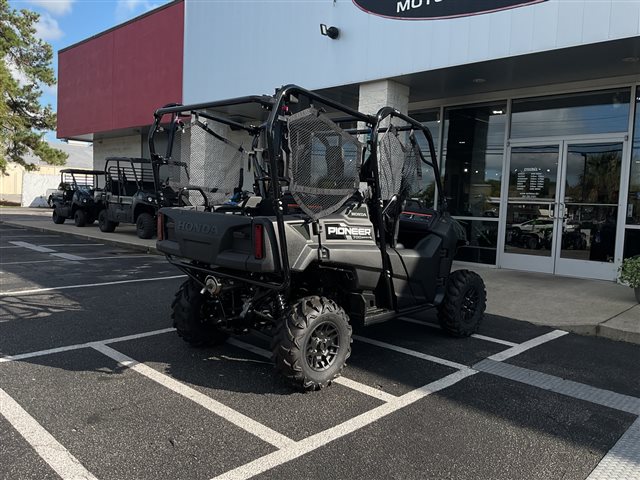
435, 9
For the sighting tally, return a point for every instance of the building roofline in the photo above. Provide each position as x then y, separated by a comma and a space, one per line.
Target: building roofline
120, 25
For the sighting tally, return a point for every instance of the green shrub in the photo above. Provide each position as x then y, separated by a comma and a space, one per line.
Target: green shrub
630, 271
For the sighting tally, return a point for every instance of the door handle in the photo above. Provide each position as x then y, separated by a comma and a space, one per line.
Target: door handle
561, 210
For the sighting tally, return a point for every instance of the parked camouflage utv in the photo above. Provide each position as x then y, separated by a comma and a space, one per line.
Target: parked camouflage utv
77, 197
129, 196
295, 226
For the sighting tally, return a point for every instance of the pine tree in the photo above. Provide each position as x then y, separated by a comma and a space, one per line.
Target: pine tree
25, 65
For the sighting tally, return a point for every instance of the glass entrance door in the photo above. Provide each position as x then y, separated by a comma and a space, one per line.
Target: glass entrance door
562, 208
529, 239
588, 209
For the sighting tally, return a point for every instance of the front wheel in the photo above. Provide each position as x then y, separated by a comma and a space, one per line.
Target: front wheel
79, 218
104, 223
464, 304
145, 226
57, 217
193, 317
312, 343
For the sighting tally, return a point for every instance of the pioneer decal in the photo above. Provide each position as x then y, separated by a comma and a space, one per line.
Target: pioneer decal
437, 9
340, 231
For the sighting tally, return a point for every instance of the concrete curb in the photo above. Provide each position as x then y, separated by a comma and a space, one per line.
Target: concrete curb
108, 241
606, 331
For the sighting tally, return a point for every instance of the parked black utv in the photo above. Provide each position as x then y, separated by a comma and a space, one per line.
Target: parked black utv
78, 196
129, 196
299, 231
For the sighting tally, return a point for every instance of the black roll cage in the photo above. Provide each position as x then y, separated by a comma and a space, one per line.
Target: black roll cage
79, 171
274, 127
138, 179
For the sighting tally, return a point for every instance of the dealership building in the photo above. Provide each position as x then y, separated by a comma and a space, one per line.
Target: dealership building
533, 105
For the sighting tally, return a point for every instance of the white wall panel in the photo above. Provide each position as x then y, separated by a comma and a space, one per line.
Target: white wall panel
252, 46
521, 31
478, 41
129, 146
625, 17
596, 21
570, 20
545, 27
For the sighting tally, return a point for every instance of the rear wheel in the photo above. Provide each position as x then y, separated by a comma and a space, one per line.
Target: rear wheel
145, 225
57, 218
464, 304
80, 218
104, 223
312, 343
193, 317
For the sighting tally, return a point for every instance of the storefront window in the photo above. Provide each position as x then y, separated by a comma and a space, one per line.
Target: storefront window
481, 241
633, 203
576, 114
473, 149
632, 243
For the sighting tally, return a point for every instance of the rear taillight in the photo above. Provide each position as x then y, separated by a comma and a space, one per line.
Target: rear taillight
160, 226
258, 241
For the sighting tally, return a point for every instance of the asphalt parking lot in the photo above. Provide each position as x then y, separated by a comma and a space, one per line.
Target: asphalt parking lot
95, 384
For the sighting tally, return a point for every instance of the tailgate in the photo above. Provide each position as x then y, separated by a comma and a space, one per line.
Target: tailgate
217, 239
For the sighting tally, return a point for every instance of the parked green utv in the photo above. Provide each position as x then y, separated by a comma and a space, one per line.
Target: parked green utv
78, 196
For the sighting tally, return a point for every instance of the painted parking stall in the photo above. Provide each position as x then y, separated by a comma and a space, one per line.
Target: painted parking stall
91, 369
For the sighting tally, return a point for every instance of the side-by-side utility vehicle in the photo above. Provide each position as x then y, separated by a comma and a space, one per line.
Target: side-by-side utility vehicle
78, 196
293, 225
129, 196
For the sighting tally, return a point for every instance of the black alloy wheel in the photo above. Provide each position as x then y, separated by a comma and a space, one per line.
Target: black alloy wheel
462, 309
312, 342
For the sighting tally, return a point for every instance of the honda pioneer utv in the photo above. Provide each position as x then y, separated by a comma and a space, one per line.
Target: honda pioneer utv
293, 225
129, 196
77, 197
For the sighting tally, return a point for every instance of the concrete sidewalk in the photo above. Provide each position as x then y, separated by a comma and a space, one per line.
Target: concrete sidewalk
40, 219
589, 307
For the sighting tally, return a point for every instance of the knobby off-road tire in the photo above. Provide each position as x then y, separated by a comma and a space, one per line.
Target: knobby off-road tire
312, 343
145, 225
80, 218
104, 223
56, 217
464, 304
190, 317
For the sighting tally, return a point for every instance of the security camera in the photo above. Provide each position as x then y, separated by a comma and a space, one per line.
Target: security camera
331, 32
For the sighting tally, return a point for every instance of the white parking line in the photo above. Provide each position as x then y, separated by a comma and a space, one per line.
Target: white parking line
31, 246
113, 257
87, 285
29, 236
344, 381
67, 256
623, 460
475, 335
523, 347
413, 353
366, 389
321, 439
77, 346
74, 245
255, 428
51, 451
